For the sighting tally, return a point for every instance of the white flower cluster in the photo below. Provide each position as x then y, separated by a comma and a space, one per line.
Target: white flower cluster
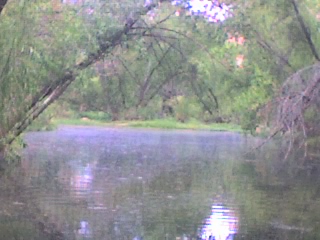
212, 10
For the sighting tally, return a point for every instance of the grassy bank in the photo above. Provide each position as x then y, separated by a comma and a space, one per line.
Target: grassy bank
156, 124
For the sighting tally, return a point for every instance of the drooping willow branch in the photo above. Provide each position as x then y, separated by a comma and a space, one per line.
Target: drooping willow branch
298, 93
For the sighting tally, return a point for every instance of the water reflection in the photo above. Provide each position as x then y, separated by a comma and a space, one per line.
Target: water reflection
92, 183
222, 224
84, 229
81, 179
129, 184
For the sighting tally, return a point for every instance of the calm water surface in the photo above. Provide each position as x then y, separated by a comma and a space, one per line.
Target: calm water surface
97, 183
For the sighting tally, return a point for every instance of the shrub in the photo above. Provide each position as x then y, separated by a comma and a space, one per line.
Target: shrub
186, 108
96, 115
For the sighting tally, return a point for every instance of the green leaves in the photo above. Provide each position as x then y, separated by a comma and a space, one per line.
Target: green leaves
42, 42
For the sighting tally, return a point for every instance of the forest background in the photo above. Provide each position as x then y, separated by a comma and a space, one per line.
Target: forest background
256, 65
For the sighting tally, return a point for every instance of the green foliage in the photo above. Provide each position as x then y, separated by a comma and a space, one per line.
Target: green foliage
42, 123
42, 40
253, 97
45, 121
164, 123
12, 154
169, 123
158, 123
186, 108
179, 57
99, 116
35, 50
149, 112
249, 121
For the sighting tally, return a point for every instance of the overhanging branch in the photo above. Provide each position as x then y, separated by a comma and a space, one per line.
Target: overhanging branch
305, 30
56, 88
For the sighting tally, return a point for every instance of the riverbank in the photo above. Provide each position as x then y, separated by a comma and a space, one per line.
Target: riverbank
152, 124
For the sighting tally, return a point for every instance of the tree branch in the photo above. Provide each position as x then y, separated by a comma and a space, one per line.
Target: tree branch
305, 30
53, 91
2, 4
152, 95
276, 52
147, 80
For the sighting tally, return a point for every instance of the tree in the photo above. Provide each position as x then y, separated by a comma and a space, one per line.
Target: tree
46, 71
275, 65
282, 44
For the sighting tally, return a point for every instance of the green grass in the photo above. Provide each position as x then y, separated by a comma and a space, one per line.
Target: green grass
79, 122
95, 115
153, 124
192, 125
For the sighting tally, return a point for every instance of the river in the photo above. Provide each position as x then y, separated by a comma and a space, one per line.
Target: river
113, 183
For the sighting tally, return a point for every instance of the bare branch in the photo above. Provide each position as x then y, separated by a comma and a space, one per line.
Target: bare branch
214, 97
170, 77
132, 75
147, 80
299, 92
275, 52
202, 46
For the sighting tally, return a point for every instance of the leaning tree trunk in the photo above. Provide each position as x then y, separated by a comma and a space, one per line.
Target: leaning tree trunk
2, 4
48, 94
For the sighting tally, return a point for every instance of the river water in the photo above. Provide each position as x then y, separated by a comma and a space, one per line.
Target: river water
100, 183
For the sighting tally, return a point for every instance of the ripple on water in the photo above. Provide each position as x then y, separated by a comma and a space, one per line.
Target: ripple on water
116, 184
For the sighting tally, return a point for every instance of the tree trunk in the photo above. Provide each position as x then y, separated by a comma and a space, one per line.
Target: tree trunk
56, 88
305, 30
2, 4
